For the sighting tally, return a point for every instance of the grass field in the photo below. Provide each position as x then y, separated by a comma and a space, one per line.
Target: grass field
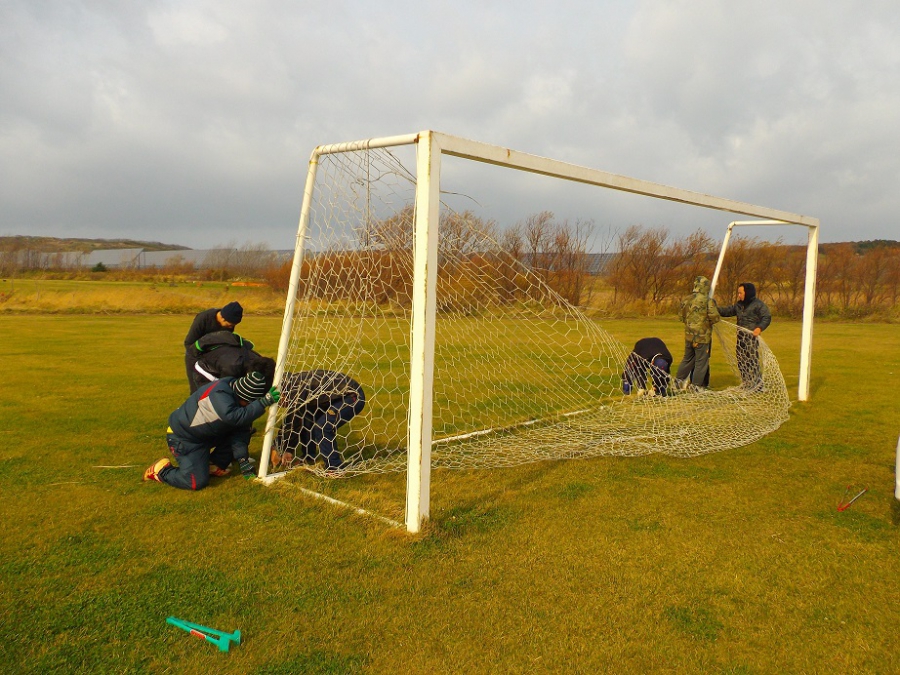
736, 562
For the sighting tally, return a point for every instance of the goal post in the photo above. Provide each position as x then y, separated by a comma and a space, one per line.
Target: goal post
424, 303
377, 283
809, 290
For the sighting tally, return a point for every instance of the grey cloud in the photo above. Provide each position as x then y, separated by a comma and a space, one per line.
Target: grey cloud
196, 119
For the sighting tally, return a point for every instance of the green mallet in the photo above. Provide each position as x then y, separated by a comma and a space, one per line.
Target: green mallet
217, 637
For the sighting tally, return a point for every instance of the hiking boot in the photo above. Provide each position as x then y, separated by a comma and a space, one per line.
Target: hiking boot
152, 472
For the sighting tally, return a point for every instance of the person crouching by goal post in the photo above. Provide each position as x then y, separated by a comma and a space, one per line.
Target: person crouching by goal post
208, 321
213, 428
752, 315
649, 354
226, 354
317, 403
698, 314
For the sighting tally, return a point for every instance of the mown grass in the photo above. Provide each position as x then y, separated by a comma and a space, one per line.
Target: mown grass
736, 562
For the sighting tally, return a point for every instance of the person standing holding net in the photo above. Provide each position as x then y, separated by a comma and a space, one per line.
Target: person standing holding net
698, 313
752, 315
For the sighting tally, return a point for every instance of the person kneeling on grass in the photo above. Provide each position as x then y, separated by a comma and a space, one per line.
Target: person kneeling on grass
211, 429
317, 403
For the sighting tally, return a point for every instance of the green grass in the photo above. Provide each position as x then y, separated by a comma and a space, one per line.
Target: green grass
736, 562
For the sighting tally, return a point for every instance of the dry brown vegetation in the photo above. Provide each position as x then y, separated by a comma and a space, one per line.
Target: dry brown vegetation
652, 272
648, 275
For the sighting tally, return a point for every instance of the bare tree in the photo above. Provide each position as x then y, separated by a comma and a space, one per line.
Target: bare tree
569, 266
738, 264
872, 272
640, 256
786, 272
838, 274
538, 235
394, 233
892, 278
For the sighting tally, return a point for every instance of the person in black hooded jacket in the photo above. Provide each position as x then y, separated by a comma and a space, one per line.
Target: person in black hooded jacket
650, 355
752, 315
227, 354
316, 404
208, 321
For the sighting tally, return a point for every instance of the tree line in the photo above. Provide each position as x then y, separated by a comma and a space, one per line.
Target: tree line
647, 270
853, 280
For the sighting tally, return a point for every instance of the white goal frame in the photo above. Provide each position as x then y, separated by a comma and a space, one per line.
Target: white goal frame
809, 291
430, 147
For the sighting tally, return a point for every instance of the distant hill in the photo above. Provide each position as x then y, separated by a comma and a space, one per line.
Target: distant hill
861, 247
56, 244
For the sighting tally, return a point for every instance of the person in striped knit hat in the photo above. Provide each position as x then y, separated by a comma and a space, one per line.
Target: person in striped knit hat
211, 429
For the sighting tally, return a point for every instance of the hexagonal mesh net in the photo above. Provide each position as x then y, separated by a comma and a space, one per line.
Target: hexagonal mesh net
519, 374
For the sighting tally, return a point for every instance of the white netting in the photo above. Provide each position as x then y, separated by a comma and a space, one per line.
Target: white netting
519, 374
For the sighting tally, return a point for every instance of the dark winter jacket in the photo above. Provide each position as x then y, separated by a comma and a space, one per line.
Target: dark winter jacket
223, 353
214, 413
651, 348
751, 313
205, 322
313, 390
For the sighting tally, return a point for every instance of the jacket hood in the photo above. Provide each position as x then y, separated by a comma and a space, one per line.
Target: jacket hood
701, 285
749, 292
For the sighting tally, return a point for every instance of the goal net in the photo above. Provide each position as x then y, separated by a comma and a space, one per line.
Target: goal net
519, 374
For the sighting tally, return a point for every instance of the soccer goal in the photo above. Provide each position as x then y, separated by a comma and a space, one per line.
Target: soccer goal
466, 353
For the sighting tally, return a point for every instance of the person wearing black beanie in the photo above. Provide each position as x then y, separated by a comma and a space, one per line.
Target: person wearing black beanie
208, 321
753, 316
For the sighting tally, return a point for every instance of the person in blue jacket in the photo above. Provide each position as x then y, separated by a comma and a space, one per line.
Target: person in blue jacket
211, 429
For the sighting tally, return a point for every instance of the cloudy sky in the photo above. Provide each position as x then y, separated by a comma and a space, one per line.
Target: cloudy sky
191, 122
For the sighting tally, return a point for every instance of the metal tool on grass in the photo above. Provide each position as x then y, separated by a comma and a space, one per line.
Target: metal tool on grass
844, 504
220, 639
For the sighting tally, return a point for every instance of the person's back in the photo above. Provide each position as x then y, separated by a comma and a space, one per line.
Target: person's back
650, 348
227, 354
698, 313
316, 404
208, 321
651, 355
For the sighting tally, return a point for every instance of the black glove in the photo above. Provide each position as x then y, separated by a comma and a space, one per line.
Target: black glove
248, 468
271, 397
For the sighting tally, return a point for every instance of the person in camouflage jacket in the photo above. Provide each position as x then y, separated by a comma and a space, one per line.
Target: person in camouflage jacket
698, 313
